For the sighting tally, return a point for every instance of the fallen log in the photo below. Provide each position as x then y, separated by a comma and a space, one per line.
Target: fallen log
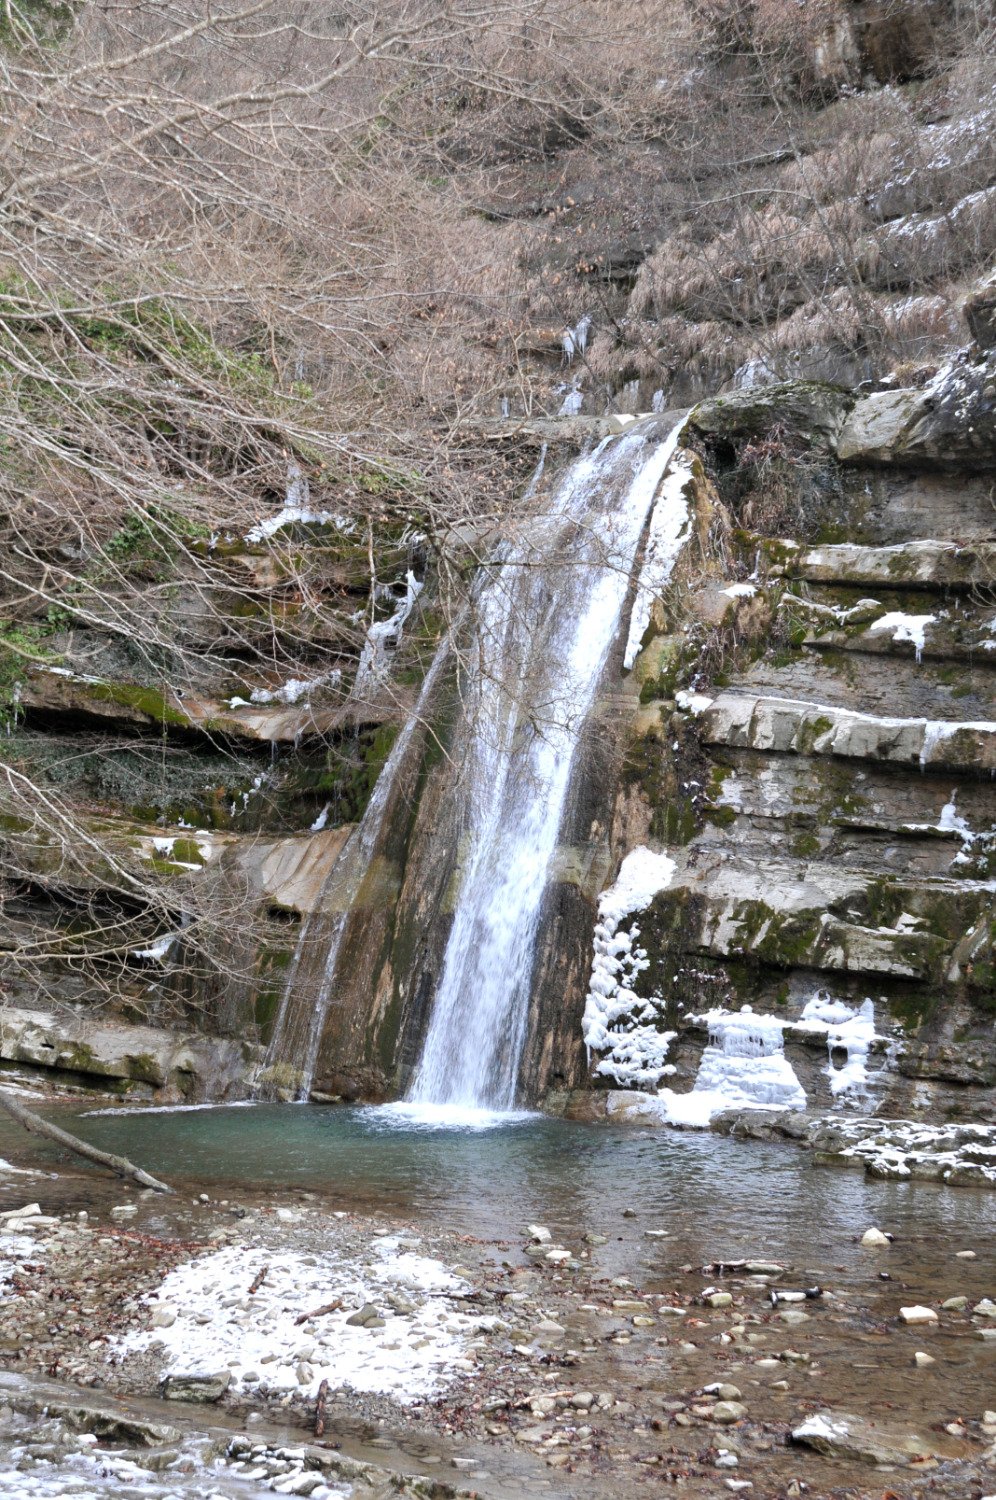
120, 1165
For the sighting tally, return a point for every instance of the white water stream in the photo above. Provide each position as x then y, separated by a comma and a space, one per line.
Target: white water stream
545, 622
286, 1044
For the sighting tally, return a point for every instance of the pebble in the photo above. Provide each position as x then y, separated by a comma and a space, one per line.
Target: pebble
985, 1309
921, 1358
954, 1304
539, 1233
875, 1237
965, 1255
729, 1411
918, 1314
724, 1391
720, 1299
725, 1459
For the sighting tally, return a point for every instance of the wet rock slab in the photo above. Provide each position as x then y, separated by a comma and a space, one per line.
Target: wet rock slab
843, 1435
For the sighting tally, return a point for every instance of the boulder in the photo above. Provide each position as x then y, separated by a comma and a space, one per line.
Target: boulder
196, 1387
949, 424
812, 413
980, 312
74, 1042
844, 1436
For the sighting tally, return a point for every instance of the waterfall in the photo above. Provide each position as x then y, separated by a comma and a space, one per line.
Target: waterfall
297, 1033
545, 620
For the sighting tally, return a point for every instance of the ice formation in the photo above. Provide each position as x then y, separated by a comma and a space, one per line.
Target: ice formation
849, 1031
743, 1067
295, 508
638, 1053
384, 637
575, 340
912, 628
669, 522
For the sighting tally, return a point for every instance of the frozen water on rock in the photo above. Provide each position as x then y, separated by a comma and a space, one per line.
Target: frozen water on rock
743, 1067
635, 1053
296, 508
847, 1030
384, 637
575, 340
538, 657
912, 628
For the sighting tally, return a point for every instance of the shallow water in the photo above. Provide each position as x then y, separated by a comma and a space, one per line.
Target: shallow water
714, 1197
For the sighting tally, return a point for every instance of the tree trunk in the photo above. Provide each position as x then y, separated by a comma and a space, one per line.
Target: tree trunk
38, 1126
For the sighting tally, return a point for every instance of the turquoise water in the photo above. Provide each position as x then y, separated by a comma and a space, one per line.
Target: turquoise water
714, 1197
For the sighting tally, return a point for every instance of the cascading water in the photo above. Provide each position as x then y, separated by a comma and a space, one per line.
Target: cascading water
297, 1034
545, 622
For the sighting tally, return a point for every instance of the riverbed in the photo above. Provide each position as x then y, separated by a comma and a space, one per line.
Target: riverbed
536, 1263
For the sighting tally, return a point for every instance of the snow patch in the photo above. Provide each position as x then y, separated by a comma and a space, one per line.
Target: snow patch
693, 703
905, 1148
219, 1325
159, 950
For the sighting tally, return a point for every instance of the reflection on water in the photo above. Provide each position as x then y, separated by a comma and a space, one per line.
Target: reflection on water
713, 1197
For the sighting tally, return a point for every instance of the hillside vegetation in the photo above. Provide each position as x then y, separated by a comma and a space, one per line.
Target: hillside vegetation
263, 269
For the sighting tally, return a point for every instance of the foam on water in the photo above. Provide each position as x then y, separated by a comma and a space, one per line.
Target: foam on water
409, 1114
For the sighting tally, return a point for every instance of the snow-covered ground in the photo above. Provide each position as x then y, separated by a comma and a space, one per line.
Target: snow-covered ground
206, 1320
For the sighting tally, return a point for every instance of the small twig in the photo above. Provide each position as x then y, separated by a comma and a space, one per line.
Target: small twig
319, 1311
258, 1280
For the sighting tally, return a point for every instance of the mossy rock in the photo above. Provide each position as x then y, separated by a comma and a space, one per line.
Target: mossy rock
812, 413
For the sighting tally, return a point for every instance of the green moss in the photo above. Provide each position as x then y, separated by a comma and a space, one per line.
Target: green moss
143, 700
145, 1069
912, 1008
187, 852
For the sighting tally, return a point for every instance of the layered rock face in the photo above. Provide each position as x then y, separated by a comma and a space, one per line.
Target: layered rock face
815, 747
175, 821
